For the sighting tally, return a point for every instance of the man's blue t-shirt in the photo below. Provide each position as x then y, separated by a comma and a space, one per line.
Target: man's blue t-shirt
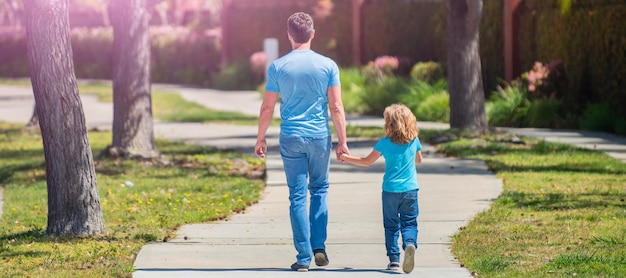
400, 173
302, 78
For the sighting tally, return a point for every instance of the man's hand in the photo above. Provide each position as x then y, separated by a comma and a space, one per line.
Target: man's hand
260, 148
341, 149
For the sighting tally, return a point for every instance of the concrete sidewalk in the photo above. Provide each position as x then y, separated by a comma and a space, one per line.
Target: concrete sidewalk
613, 145
257, 243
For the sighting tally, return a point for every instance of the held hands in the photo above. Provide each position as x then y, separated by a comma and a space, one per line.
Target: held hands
342, 149
342, 157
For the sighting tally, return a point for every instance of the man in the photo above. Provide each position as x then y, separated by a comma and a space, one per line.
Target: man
308, 85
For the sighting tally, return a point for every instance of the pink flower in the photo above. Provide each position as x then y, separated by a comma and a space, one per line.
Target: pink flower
386, 63
537, 76
257, 62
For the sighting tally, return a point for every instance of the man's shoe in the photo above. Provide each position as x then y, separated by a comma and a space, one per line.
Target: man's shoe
409, 258
321, 259
393, 266
299, 267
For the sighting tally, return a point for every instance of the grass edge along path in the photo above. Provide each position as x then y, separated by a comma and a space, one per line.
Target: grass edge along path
561, 212
142, 202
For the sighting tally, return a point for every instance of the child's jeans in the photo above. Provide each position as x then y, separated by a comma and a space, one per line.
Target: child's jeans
400, 211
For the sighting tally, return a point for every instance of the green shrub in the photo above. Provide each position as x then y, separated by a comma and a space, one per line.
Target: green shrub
352, 90
545, 113
620, 126
599, 117
507, 106
427, 71
371, 74
436, 108
236, 76
381, 94
420, 90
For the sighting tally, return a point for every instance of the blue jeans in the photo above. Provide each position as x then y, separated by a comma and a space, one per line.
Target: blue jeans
306, 162
400, 211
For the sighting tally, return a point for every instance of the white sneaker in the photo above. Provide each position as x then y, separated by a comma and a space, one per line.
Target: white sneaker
409, 258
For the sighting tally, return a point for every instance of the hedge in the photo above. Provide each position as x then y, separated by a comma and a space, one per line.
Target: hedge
178, 55
589, 40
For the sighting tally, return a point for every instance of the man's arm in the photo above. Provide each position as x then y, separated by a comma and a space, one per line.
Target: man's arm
339, 119
266, 114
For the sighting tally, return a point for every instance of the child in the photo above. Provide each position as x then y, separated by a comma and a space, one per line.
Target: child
401, 149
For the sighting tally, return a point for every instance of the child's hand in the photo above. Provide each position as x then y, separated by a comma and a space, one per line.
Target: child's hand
342, 157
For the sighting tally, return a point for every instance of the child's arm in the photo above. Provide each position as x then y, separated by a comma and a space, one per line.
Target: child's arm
361, 161
418, 157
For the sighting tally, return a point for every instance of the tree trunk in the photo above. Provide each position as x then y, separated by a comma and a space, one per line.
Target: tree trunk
33, 123
73, 201
133, 132
465, 84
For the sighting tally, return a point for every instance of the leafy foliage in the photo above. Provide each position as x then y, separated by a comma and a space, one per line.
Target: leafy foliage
235, 76
601, 117
353, 90
429, 72
508, 106
545, 112
436, 108
429, 102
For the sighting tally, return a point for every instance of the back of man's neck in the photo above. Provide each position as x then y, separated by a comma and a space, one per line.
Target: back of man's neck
303, 46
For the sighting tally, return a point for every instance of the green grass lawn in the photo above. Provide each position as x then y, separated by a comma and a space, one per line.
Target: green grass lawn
192, 184
197, 184
561, 213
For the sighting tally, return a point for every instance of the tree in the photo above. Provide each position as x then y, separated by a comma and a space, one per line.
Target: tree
73, 201
465, 84
33, 123
133, 132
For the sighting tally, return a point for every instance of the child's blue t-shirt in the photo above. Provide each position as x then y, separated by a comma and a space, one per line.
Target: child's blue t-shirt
400, 173
302, 78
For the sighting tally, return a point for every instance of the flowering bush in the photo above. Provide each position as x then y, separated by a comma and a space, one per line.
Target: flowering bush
381, 67
386, 64
257, 62
531, 100
536, 77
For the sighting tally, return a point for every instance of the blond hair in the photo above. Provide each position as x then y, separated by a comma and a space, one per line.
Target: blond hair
400, 124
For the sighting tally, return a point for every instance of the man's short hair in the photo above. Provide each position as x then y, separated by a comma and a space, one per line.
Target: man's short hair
300, 27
